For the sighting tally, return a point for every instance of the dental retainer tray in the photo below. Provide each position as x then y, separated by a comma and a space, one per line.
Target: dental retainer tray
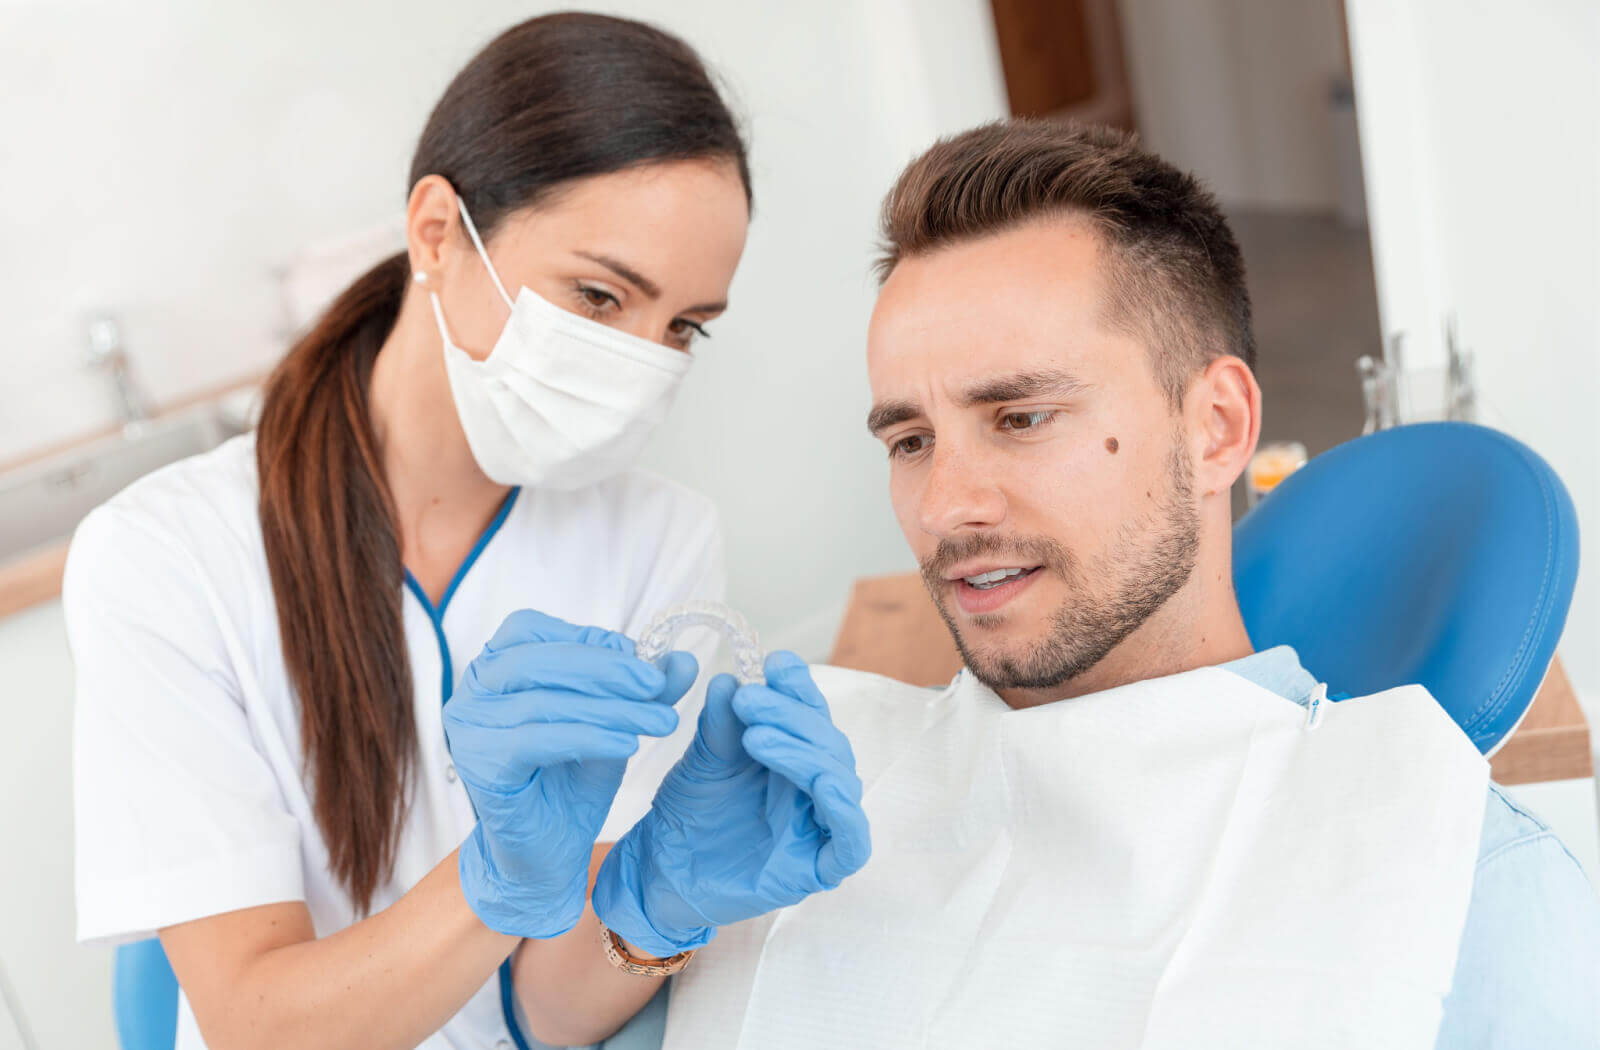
656, 641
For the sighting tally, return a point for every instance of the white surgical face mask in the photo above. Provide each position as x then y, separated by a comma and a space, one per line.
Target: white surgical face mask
562, 401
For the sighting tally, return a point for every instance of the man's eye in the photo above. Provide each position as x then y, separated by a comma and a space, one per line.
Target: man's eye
909, 445
1025, 420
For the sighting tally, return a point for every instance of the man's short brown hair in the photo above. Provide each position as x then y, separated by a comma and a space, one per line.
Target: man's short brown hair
1175, 280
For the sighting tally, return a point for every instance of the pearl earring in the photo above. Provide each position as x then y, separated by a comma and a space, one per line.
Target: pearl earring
420, 277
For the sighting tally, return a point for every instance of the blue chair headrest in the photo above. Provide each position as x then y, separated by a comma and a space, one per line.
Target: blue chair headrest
1443, 554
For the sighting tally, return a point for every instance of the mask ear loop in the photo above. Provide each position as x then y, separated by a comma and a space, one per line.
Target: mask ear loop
477, 242
438, 315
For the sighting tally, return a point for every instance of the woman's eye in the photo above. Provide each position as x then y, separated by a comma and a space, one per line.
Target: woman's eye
1025, 420
683, 331
909, 445
596, 299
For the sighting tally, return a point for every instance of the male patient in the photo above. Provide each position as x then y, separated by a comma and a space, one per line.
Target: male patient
1117, 828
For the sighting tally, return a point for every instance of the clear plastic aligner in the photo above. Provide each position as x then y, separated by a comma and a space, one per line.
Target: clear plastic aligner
657, 639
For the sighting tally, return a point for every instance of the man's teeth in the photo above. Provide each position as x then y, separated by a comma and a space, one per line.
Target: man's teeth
986, 580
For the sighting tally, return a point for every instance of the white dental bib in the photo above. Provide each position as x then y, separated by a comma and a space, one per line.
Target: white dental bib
1187, 862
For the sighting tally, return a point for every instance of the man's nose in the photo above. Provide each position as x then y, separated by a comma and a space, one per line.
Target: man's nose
959, 495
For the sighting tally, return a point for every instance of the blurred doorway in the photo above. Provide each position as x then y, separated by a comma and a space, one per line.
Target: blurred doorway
1254, 97
1064, 58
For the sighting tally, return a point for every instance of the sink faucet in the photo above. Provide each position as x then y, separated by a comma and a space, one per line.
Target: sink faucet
106, 351
1380, 386
1460, 393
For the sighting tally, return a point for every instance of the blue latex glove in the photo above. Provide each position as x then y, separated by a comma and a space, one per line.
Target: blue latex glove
540, 732
762, 811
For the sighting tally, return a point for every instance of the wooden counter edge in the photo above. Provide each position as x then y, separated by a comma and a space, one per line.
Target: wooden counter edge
1553, 741
165, 410
35, 576
32, 578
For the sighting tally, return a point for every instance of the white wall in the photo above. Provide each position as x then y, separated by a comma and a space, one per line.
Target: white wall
65, 990
160, 159
772, 421
1480, 128
1237, 92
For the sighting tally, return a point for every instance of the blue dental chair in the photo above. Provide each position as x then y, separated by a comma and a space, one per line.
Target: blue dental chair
1458, 577
1443, 554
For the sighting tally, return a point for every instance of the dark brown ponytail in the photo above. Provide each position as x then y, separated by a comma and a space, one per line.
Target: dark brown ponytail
554, 99
334, 556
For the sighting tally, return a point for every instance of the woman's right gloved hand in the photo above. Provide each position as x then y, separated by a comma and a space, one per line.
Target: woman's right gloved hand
763, 810
540, 731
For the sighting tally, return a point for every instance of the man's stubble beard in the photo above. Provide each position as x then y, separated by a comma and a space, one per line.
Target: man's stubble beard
1150, 561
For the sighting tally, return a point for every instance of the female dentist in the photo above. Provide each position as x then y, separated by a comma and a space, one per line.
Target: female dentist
265, 634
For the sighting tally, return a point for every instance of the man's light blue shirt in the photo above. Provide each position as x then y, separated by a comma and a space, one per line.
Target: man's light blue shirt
1528, 973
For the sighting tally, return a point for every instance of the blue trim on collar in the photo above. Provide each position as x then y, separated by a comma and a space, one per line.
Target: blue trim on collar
477, 548
447, 686
507, 1010
446, 672
436, 616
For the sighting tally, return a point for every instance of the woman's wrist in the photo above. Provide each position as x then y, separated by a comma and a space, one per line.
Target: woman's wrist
619, 900
618, 954
509, 906
637, 953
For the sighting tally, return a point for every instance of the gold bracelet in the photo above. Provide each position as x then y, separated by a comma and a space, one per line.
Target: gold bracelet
618, 956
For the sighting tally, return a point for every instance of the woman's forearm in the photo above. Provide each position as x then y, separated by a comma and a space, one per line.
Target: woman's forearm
569, 993
260, 977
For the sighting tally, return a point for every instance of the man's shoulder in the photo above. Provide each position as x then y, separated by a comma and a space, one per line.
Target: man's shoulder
1526, 877
1530, 953
1508, 826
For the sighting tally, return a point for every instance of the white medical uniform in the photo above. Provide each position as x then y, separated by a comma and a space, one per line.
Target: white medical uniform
191, 799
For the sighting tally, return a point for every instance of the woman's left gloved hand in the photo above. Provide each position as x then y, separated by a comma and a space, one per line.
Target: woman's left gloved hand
763, 810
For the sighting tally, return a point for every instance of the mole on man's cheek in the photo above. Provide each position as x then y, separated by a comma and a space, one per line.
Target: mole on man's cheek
1111, 445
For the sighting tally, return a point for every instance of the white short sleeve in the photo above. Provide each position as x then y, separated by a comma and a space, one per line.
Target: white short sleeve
178, 815
693, 568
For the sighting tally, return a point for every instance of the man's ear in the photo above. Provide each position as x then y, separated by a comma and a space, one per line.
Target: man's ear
1224, 410
430, 215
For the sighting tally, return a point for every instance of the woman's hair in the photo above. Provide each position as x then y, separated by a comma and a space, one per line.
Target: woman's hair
554, 99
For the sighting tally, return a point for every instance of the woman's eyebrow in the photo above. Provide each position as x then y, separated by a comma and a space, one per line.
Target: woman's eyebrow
645, 284
626, 272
